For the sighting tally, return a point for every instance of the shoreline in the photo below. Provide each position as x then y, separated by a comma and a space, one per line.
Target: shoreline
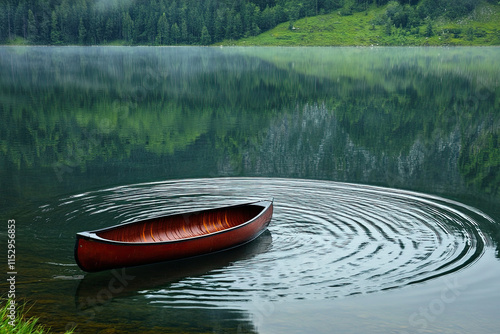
247, 46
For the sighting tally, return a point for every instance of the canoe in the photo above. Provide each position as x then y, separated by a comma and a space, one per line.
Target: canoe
172, 237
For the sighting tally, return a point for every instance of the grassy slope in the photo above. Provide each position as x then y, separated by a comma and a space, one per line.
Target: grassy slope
336, 30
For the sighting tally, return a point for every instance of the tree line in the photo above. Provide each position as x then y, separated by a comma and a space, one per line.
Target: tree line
151, 22
187, 22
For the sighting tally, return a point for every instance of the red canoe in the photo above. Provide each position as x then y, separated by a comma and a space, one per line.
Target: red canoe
172, 237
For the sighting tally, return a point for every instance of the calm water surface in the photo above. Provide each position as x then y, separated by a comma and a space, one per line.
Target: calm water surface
384, 165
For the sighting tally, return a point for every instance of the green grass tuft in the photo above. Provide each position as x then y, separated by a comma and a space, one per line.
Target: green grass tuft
20, 325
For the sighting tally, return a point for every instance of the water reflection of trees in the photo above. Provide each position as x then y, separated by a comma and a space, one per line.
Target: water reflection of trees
310, 142
419, 120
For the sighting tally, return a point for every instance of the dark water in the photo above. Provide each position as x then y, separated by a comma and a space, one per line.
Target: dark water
384, 165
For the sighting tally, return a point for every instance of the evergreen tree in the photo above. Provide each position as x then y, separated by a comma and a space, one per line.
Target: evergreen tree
32, 28
92, 34
163, 31
127, 27
55, 35
228, 29
64, 20
108, 34
293, 10
6, 21
195, 23
205, 36
255, 30
139, 25
82, 32
279, 14
3, 23
20, 20
176, 33
173, 12
268, 19
237, 27
184, 32
220, 22
257, 17
150, 28
44, 26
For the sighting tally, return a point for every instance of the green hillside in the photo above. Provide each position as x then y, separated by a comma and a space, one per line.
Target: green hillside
373, 27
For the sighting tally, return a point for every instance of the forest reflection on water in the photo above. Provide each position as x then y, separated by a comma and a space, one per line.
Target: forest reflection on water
416, 118
92, 137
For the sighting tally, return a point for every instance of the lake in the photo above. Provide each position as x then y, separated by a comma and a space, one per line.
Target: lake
384, 166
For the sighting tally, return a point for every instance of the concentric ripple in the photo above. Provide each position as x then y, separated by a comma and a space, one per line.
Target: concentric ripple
326, 239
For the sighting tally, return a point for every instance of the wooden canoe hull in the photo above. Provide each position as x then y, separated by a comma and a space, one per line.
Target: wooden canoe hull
111, 248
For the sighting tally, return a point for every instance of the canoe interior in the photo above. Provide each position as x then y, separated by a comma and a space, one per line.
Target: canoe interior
182, 226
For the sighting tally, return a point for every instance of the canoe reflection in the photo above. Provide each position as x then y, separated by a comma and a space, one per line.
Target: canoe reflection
98, 289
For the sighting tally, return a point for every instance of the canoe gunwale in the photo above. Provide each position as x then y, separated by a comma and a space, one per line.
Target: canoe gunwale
92, 235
